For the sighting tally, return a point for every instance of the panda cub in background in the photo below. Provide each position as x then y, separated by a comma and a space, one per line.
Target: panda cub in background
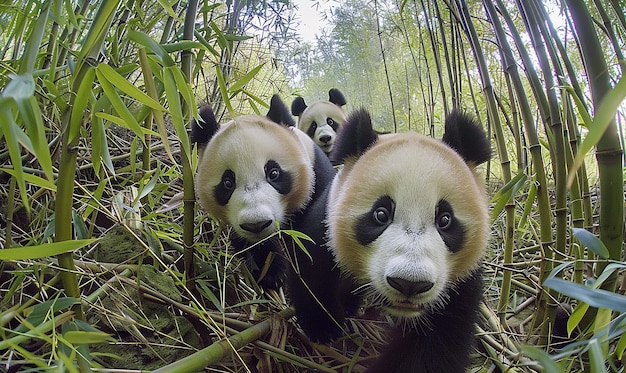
256, 173
321, 119
407, 220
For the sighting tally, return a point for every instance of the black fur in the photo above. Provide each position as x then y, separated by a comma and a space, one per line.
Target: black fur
279, 113
321, 296
355, 137
466, 137
298, 106
336, 97
202, 132
443, 342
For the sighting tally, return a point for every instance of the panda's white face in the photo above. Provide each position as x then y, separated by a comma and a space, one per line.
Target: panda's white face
407, 220
252, 174
321, 121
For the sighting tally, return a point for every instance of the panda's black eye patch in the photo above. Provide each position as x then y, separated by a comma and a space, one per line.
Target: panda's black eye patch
331, 123
311, 130
449, 228
373, 223
224, 190
278, 178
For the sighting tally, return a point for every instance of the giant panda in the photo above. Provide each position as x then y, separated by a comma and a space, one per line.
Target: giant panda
407, 224
321, 119
256, 174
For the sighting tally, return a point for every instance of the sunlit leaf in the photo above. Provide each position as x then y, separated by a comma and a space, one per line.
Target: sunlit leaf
32, 179
125, 86
604, 115
43, 250
239, 84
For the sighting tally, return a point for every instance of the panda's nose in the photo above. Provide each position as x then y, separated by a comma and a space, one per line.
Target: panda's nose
409, 288
255, 227
325, 138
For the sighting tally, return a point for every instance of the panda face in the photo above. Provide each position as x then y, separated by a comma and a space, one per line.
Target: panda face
252, 174
321, 121
407, 219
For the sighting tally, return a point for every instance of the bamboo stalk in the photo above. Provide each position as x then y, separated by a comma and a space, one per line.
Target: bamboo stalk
608, 149
189, 200
218, 350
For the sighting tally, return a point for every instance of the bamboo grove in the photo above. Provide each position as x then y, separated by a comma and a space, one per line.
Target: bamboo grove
95, 104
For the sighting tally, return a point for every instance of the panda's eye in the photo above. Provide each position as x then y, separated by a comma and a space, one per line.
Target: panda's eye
313, 125
273, 174
279, 178
371, 224
330, 121
381, 215
444, 221
228, 181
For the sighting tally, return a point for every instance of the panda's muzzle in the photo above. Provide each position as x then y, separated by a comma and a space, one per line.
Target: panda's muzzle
255, 227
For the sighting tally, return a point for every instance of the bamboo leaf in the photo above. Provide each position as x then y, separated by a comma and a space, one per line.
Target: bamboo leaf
223, 90
152, 92
32, 179
33, 44
123, 85
156, 48
239, 84
175, 107
598, 298
596, 356
576, 317
592, 242
100, 26
44, 250
83, 337
543, 358
80, 103
10, 131
116, 101
168, 9
603, 116
35, 128
503, 196
40, 312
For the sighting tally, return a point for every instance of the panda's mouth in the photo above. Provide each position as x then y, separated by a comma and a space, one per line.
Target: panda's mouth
404, 308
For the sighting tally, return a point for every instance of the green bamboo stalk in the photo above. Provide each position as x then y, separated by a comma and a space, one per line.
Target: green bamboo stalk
189, 200
69, 150
505, 163
538, 39
608, 149
382, 51
218, 350
434, 46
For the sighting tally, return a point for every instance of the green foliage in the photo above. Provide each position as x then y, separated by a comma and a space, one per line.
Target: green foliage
83, 85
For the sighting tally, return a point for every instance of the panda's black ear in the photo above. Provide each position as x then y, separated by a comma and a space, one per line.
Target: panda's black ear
202, 131
297, 106
336, 97
466, 137
279, 113
354, 137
